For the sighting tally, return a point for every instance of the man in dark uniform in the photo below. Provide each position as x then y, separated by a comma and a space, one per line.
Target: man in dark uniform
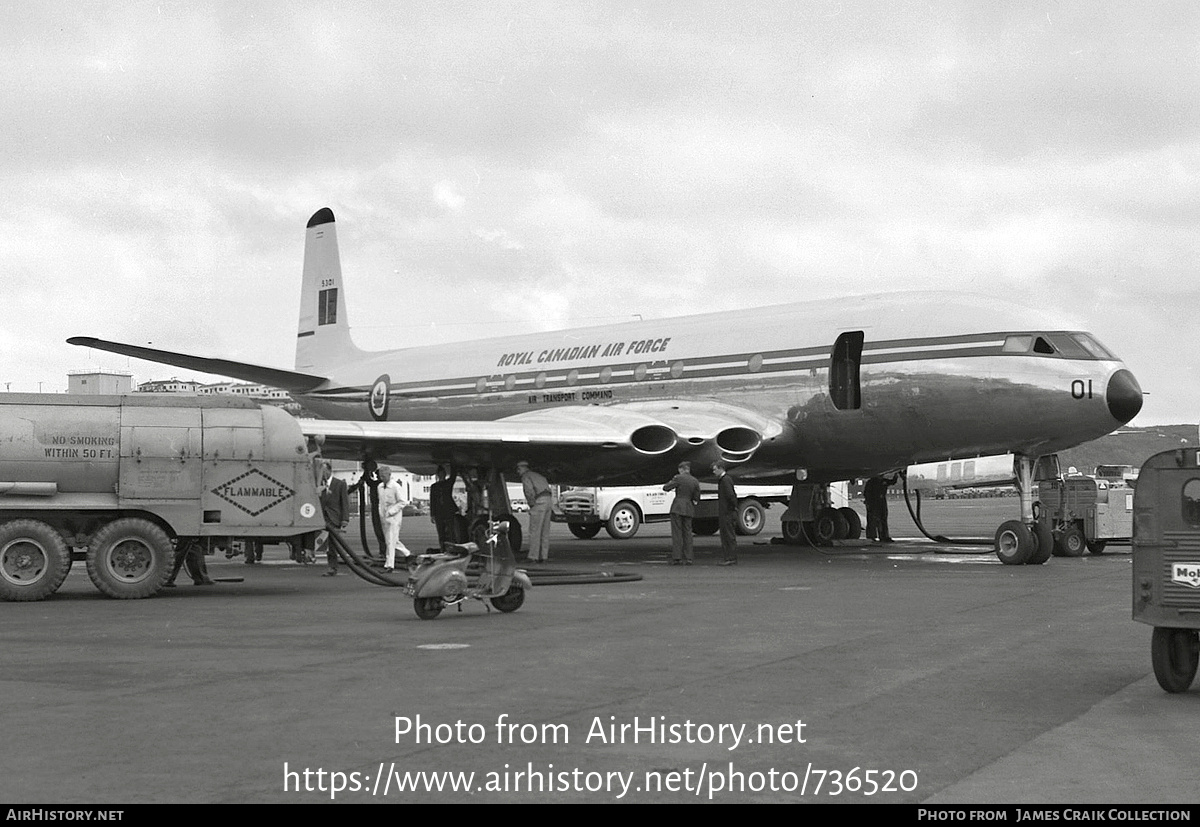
875, 498
443, 510
335, 504
727, 506
683, 508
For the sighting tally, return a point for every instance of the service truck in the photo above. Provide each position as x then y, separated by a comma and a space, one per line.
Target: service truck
1085, 513
621, 510
124, 482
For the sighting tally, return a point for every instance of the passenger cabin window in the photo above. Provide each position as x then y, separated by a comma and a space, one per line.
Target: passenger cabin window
327, 306
844, 388
1191, 503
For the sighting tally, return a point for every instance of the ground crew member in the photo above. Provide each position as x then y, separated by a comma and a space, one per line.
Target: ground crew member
683, 508
443, 510
537, 494
391, 513
727, 508
875, 498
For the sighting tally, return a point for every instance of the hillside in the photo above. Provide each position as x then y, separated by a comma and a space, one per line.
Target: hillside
1128, 446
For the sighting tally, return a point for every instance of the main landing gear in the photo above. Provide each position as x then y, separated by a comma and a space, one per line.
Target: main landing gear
812, 519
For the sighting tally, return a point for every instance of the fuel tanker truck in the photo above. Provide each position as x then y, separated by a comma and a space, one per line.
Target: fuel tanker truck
126, 482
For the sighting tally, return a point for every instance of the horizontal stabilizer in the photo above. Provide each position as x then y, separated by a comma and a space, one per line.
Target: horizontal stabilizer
288, 380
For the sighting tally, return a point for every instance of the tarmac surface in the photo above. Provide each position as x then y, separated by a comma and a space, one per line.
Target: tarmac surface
901, 673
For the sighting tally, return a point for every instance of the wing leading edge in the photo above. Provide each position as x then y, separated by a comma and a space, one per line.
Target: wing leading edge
289, 380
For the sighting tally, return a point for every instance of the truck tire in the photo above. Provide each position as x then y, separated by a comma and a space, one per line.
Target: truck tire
34, 560
129, 558
750, 517
624, 521
1072, 542
1096, 546
584, 531
1175, 654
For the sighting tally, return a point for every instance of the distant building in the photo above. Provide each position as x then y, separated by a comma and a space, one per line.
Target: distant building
170, 386
99, 381
259, 393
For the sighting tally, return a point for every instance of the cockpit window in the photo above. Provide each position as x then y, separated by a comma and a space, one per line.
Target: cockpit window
1017, 344
1089, 343
1066, 345
1040, 345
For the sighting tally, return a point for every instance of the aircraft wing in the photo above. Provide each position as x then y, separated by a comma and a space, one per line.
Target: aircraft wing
567, 442
288, 380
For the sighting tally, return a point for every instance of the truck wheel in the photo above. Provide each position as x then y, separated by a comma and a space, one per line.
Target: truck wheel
705, 526
584, 531
1175, 654
1096, 546
34, 560
1072, 542
750, 517
427, 608
1014, 543
624, 520
854, 531
511, 600
129, 559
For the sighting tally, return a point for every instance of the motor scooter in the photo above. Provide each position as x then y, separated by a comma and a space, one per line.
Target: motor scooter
483, 571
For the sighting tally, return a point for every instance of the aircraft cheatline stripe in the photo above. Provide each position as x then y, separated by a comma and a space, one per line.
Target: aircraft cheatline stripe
773, 362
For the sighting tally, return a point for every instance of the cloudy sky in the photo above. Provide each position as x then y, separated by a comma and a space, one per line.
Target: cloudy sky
507, 167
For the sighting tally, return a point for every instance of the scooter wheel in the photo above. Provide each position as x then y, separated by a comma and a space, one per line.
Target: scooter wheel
511, 600
427, 608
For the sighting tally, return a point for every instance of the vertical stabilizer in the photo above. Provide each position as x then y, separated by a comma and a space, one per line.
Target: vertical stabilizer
323, 337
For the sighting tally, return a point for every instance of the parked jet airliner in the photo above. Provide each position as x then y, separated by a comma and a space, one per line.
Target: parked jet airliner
806, 393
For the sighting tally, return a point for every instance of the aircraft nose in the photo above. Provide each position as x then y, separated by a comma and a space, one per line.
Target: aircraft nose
1124, 396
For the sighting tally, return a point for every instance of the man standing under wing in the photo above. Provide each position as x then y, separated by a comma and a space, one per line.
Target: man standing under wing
727, 506
683, 508
537, 494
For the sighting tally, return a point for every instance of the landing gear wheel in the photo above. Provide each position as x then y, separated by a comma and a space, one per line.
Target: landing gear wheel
1175, 654
853, 521
584, 531
705, 527
831, 525
511, 600
129, 559
793, 532
1043, 541
1072, 542
750, 518
623, 522
34, 560
1014, 543
427, 608
1096, 546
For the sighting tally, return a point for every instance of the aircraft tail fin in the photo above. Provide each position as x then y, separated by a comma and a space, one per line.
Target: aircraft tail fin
323, 337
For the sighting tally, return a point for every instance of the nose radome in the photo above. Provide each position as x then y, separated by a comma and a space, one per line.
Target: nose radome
1124, 396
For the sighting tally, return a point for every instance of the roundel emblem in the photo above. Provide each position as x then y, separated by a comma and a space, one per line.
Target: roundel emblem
378, 402
307, 511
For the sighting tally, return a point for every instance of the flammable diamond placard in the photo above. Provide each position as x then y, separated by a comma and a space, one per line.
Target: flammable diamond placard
254, 492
